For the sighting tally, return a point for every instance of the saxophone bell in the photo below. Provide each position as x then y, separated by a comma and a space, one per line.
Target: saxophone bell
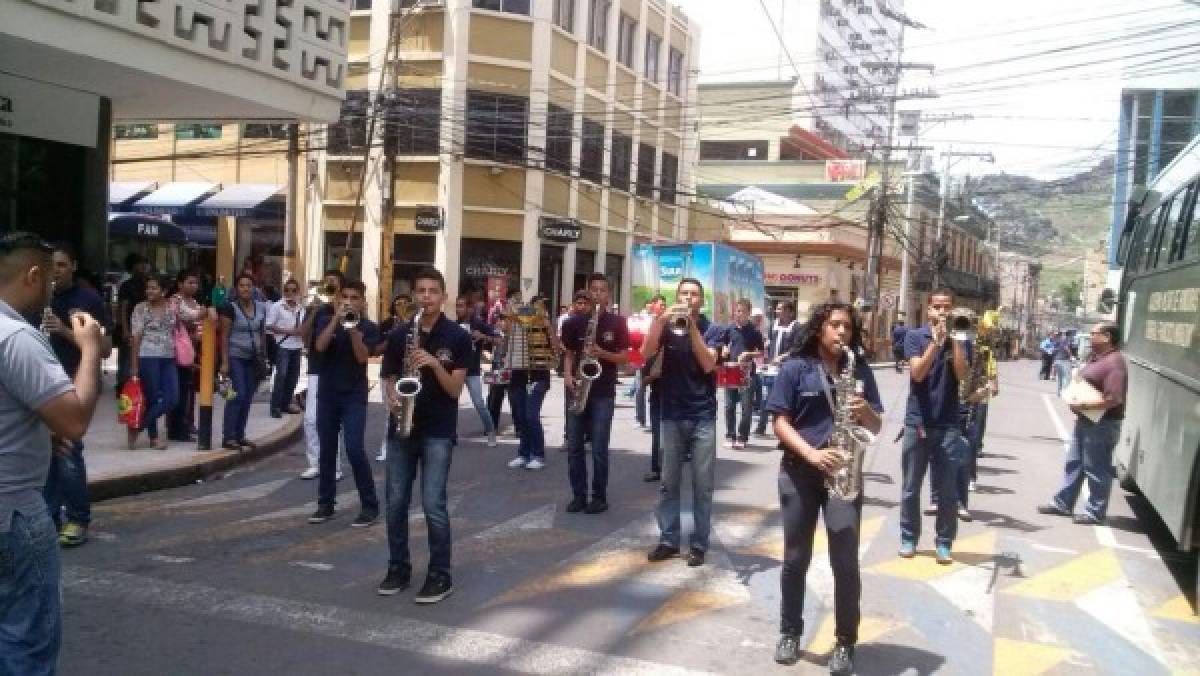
408, 387
589, 368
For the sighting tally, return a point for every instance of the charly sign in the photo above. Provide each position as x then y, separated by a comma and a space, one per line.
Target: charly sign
428, 219
561, 230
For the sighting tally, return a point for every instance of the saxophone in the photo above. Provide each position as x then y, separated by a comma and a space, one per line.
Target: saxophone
587, 370
849, 441
408, 385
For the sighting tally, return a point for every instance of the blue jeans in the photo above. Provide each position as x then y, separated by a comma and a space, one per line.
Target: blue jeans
639, 399
655, 431
30, 597
527, 407
1090, 456
698, 438
764, 393
181, 421
433, 456
736, 399
287, 374
1062, 371
160, 387
475, 388
345, 416
237, 410
944, 447
597, 419
66, 485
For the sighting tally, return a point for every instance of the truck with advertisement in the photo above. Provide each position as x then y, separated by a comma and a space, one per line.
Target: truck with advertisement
727, 274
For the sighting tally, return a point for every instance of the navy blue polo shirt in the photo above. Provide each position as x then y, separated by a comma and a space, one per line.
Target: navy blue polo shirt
435, 415
63, 303
798, 394
744, 338
471, 325
933, 402
315, 358
686, 392
612, 335
342, 375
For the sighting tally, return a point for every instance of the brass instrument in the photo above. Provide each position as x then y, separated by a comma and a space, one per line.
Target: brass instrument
981, 358
327, 293
587, 369
499, 374
531, 347
680, 323
850, 440
408, 385
962, 324
349, 317
48, 311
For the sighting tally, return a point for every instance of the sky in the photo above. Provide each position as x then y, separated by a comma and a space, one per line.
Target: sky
1042, 78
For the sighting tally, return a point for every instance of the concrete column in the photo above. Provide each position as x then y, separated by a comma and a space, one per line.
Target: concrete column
447, 256
535, 181
314, 222
372, 221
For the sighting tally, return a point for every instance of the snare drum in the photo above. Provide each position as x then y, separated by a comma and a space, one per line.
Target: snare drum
731, 376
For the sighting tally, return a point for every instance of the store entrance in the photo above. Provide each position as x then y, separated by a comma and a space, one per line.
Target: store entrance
550, 271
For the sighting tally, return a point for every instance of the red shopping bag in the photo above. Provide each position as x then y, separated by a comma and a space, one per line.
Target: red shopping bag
131, 405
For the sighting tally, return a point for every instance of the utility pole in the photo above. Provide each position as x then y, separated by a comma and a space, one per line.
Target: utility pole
939, 254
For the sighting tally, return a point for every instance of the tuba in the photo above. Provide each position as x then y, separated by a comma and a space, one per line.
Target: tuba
849, 440
587, 370
408, 385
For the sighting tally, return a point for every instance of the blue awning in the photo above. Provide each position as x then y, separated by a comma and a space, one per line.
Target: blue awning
240, 199
203, 236
120, 192
140, 226
173, 198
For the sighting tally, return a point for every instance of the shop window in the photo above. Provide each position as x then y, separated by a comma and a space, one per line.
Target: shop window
591, 160
496, 126
559, 133
564, 14
410, 253
598, 23
488, 259
335, 243
135, 131
645, 171
349, 134
585, 264
414, 122
197, 131
614, 267
510, 6
622, 160
669, 178
275, 131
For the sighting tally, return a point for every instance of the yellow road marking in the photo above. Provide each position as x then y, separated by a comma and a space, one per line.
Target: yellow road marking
1070, 580
605, 568
1177, 609
869, 629
971, 551
1021, 657
685, 605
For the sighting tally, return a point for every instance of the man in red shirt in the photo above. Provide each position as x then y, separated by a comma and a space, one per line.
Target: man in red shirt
1092, 443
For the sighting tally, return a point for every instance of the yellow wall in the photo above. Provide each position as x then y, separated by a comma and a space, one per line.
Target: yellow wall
625, 86
422, 32
342, 180
337, 219
589, 204
644, 219
500, 37
359, 44
562, 54
498, 79
615, 243
503, 191
557, 198
417, 182
597, 70
618, 206
492, 226
666, 221
589, 240
425, 74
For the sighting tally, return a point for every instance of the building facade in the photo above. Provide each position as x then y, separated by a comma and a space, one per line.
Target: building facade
519, 145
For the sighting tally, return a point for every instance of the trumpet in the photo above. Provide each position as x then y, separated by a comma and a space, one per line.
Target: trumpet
349, 317
327, 293
963, 322
680, 320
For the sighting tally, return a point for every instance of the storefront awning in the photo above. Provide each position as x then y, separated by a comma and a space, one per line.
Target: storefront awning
173, 198
138, 226
120, 192
240, 199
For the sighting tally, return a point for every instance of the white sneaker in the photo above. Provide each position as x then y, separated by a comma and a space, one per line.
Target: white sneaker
339, 476
310, 473
536, 463
516, 463
492, 440
971, 486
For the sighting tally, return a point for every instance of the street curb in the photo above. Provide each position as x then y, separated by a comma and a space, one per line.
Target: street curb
215, 461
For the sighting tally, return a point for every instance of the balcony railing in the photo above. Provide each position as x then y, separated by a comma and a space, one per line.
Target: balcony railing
965, 284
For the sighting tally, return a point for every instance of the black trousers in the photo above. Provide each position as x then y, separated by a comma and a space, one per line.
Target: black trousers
1047, 364
802, 495
495, 403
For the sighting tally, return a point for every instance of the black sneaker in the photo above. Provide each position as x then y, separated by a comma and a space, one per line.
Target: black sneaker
695, 557
365, 518
436, 588
651, 477
662, 553
275, 413
396, 581
576, 504
323, 514
596, 506
841, 662
1051, 508
787, 651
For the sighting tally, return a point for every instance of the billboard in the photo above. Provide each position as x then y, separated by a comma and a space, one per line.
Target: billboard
727, 274
845, 171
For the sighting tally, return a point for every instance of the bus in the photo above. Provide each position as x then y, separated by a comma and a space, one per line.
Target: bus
1158, 308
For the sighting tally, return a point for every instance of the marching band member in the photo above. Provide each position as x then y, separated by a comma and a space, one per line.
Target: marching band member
527, 389
441, 353
777, 350
331, 287
742, 343
688, 425
482, 334
608, 345
802, 402
658, 305
931, 425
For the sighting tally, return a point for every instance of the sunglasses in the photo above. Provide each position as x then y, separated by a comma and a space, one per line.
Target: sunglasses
23, 241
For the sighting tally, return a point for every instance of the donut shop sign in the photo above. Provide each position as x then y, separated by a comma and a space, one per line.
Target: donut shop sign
793, 279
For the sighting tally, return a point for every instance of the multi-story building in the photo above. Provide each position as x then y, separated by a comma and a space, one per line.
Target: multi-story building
518, 145
69, 69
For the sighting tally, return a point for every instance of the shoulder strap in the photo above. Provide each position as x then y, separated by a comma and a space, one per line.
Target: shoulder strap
823, 374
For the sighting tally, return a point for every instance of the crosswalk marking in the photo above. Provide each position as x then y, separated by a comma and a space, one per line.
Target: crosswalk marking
975, 550
541, 518
1177, 609
1028, 659
869, 629
251, 492
1116, 606
685, 605
1072, 579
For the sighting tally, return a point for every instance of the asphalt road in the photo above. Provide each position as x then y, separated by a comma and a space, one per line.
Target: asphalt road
227, 577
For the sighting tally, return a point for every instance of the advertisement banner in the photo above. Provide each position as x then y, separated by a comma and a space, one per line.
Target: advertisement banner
845, 171
726, 273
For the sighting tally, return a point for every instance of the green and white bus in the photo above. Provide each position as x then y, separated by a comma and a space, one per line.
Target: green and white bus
1158, 308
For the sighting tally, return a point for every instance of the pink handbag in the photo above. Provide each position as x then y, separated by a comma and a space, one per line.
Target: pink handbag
185, 352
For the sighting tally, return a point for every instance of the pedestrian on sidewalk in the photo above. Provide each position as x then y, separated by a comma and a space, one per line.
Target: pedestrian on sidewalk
442, 352
1064, 360
131, 292
331, 288
345, 344
41, 410
284, 320
153, 325
1092, 443
1047, 352
481, 334
689, 421
66, 482
932, 426
181, 424
243, 321
803, 404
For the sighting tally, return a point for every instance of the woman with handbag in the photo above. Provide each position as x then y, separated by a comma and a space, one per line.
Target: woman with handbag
180, 423
243, 359
153, 327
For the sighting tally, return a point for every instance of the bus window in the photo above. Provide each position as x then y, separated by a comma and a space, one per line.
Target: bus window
1166, 232
1143, 231
1190, 244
